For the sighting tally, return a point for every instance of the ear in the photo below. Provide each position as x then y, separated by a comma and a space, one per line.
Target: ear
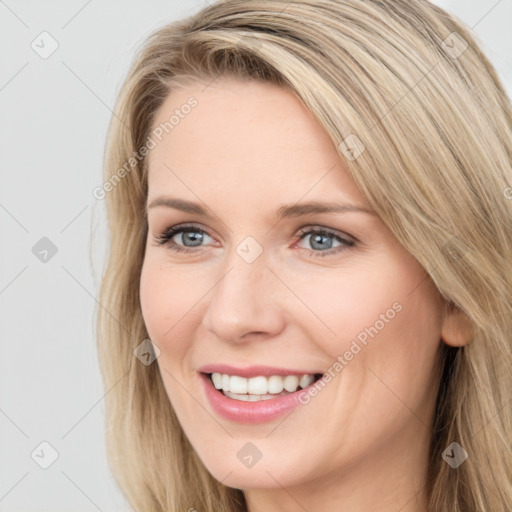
457, 329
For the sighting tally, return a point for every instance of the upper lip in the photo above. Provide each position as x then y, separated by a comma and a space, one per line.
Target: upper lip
253, 371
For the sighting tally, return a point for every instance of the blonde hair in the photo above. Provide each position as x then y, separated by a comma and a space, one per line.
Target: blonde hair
408, 81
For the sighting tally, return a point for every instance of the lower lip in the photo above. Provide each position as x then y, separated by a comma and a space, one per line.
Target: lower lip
250, 412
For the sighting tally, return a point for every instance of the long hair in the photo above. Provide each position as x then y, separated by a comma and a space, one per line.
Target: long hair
425, 128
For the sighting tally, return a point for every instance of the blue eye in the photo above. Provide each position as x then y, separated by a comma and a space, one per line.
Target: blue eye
191, 236
322, 241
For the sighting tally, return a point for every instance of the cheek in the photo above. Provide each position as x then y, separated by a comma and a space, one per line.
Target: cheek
352, 303
167, 301
384, 320
411, 344
398, 352
170, 308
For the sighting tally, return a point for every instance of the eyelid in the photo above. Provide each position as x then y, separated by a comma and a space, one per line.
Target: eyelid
176, 229
330, 231
345, 239
302, 231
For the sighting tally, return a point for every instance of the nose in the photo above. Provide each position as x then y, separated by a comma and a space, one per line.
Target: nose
244, 302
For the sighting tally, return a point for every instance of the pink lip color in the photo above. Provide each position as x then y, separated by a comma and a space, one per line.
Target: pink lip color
249, 412
252, 371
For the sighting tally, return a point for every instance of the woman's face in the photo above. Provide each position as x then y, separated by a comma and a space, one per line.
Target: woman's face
257, 284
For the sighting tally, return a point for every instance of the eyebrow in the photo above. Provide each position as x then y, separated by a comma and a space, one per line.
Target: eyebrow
292, 210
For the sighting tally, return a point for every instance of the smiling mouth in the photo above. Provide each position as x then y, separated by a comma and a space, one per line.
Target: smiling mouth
259, 388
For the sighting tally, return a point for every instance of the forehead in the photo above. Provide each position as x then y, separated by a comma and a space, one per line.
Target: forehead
252, 138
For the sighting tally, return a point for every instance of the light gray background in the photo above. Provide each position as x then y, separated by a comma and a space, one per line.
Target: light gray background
53, 123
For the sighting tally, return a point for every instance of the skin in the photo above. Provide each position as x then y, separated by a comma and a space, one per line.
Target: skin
361, 444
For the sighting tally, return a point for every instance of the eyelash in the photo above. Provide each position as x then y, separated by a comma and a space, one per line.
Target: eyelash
168, 234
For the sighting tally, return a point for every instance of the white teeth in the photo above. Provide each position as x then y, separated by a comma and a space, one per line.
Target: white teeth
238, 385
253, 398
257, 386
261, 388
275, 384
306, 380
225, 382
217, 380
291, 383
